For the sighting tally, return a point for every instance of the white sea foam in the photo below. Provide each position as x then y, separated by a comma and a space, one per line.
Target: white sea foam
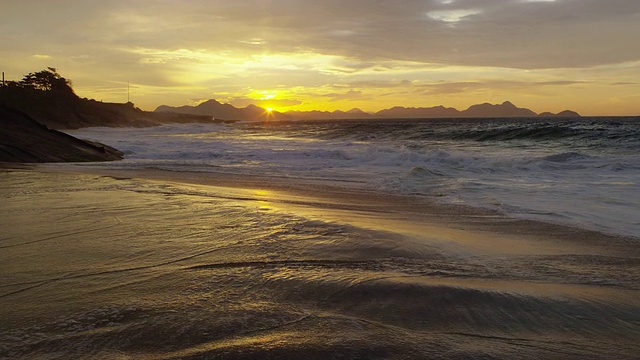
596, 189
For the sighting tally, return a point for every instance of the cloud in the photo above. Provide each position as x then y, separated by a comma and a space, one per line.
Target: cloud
198, 47
273, 103
496, 84
506, 33
453, 16
349, 95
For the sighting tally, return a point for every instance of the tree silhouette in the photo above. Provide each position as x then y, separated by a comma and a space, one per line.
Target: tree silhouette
46, 80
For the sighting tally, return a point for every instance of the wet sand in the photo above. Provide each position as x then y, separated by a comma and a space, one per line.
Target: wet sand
152, 264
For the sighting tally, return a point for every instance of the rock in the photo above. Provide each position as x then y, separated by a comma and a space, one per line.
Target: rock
24, 140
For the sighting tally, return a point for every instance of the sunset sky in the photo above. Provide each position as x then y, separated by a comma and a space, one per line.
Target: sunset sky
547, 55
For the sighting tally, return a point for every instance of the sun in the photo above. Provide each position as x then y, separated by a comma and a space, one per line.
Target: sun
268, 114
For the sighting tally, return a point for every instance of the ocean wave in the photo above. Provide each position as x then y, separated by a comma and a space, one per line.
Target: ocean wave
523, 132
549, 168
587, 132
567, 157
420, 172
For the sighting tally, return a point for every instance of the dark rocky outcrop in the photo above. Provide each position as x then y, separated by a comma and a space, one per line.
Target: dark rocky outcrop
23, 139
31, 108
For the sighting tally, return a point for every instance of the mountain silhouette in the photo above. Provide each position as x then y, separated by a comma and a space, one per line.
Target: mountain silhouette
420, 112
506, 109
252, 112
566, 113
217, 110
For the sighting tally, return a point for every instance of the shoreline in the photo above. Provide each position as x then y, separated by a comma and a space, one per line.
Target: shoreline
327, 189
158, 265
521, 169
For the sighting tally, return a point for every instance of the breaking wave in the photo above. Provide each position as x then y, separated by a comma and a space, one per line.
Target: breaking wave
583, 171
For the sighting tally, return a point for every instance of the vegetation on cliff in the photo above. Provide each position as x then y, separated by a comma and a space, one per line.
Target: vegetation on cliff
48, 98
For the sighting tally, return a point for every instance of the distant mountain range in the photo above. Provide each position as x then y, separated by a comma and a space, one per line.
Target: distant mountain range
229, 112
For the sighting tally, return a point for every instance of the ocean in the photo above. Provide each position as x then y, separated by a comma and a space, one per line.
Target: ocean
582, 172
406, 239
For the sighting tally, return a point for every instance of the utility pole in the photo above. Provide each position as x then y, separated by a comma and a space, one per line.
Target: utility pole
3, 79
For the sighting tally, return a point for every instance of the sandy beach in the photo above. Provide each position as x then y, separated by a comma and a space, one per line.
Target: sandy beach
145, 264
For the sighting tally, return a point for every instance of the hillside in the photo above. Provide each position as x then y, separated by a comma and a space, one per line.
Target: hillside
48, 98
